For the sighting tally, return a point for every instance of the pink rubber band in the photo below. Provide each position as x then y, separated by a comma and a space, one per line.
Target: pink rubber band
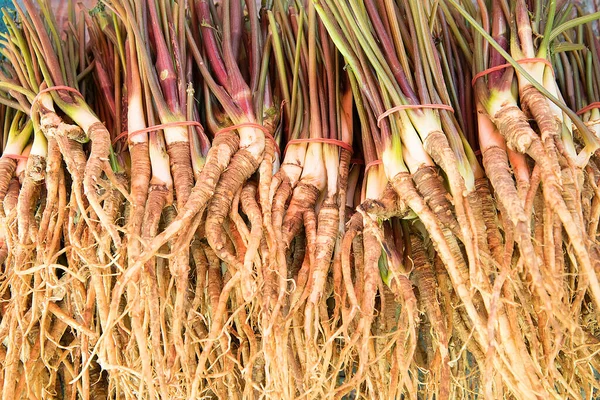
503, 66
54, 88
242, 125
589, 107
413, 107
335, 142
16, 157
155, 128
372, 164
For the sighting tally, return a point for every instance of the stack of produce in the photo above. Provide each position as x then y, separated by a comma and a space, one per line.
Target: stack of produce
320, 199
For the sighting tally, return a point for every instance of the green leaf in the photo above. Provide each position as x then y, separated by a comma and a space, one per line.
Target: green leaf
383, 268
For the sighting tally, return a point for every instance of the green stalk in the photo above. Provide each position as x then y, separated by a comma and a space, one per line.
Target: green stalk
52, 24
262, 77
7, 86
19, 135
296, 71
198, 154
565, 26
120, 44
24, 50
543, 48
280, 62
465, 47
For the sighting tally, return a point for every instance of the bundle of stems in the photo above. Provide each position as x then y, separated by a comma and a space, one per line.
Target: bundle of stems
45, 224
354, 31
409, 139
300, 199
549, 152
316, 193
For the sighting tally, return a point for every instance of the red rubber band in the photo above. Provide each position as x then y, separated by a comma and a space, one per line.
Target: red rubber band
372, 164
357, 161
589, 107
413, 107
120, 136
268, 134
503, 66
335, 142
16, 157
54, 88
242, 125
275, 145
155, 128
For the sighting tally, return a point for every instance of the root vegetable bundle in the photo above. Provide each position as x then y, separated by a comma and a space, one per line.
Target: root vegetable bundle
322, 199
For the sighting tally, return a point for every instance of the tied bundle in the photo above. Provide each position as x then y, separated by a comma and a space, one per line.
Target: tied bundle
321, 199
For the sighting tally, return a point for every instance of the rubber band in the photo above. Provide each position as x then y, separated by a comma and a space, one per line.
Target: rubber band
275, 144
503, 66
267, 133
589, 107
156, 128
372, 164
242, 125
119, 137
54, 88
16, 157
335, 142
413, 107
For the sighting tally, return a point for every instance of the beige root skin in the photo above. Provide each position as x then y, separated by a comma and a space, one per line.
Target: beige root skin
513, 125
253, 212
436, 144
481, 231
219, 317
218, 210
388, 206
157, 199
327, 236
135, 293
265, 173
100, 138
428, 289
343, 218
28, 197
430, 185
537, 104
55, 226
496, 164
140, 181
9, 214
181, 169
12, 196
7, 169
304, 197
327, 227
588, 192
279, 201
75, 160
404, 187
489, 214
53, 171
367, 304
217, 159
